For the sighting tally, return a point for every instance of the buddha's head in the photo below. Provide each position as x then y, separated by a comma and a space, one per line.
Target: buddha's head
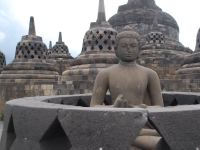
127, 46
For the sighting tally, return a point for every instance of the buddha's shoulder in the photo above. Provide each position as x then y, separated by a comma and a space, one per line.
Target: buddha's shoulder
146, 70
109, 69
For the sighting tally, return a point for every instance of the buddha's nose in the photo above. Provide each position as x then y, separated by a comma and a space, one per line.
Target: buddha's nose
128, 50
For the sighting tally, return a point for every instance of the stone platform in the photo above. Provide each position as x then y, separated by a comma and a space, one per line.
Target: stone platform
66, 123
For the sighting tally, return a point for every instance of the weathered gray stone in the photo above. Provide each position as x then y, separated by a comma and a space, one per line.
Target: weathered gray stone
37, 124
179, 126
95, 128
162, 145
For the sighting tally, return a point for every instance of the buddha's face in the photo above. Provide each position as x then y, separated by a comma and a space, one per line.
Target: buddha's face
128, 49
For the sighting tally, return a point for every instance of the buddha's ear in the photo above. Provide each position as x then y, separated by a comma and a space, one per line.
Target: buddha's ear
139, 52
116, 52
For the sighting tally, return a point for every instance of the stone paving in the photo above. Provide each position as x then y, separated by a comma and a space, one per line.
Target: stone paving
1, 128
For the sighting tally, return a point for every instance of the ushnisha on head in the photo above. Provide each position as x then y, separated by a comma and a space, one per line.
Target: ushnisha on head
127, 45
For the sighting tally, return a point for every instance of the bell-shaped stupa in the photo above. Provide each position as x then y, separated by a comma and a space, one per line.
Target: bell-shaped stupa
139, 15
161, 56
2, 61
28, 74
97, 53
59, 55
191, 66
30, 59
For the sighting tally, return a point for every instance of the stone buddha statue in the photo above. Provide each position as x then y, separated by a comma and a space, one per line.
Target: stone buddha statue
130, 85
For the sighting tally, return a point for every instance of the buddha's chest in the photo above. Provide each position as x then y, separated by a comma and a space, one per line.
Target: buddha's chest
128, 82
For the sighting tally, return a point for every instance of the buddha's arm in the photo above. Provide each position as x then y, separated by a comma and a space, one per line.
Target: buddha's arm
154, 90
100, 89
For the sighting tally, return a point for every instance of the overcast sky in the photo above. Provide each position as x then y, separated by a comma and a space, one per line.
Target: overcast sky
73, 17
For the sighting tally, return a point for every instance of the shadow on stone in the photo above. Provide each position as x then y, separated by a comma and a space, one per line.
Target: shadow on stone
107, 100
55, 138
174, 103
82, 103
11, 135
162, 145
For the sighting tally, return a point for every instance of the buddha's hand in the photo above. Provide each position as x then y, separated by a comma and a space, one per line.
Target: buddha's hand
139, 106
120, 102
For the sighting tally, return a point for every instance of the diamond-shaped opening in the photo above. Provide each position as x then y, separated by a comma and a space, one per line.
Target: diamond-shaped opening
39, 57
174, 103
93, 37
11, 135
100, 47
89, 42
38, 49
105, 32
40, 45
91, 32
92, 47
29, 44
55, 138
35, 52
18, 56
28, 52
25, 56
109, 47
22, 52
105, 42
111, 33
100, 36
26, 47
113, 42
32, 48
97, 32
32, 56
109, 37
96, 42
82, 103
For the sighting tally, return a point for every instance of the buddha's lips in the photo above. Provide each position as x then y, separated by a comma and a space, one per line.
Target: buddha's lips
128, 55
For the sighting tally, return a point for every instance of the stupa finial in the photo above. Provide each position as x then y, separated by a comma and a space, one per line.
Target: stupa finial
60, 37
50, 45
197, 48
101, 14
155, 23
32, 31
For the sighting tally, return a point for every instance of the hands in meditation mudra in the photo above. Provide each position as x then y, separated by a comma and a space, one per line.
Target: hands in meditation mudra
130, 85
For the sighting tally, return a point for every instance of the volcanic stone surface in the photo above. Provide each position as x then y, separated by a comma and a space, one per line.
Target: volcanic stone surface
36, 124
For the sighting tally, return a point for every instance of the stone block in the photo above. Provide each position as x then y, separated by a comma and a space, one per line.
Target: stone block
102, 128
178, 126
185, 98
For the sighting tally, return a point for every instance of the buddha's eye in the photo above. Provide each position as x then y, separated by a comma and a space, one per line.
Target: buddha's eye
123, 45
133, 45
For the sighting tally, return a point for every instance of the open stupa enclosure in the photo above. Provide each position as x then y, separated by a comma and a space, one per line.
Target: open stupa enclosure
38, 71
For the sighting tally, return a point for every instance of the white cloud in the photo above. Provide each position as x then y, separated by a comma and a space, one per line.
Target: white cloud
2, 36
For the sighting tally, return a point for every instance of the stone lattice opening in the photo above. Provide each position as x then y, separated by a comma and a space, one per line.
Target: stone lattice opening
11, 135
55, 138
